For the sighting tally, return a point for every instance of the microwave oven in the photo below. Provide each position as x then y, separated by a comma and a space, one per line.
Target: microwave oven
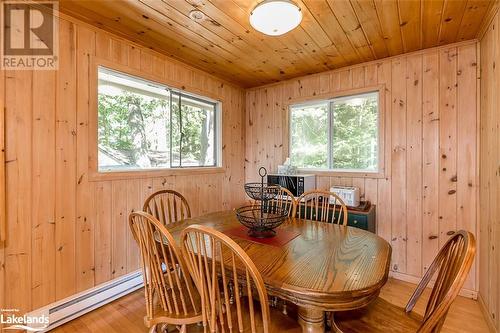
297, 184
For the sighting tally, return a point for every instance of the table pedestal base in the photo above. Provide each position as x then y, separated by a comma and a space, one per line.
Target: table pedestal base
311, 320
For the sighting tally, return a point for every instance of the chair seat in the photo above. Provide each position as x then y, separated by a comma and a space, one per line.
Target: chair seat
379, 316
186, 314
278, 321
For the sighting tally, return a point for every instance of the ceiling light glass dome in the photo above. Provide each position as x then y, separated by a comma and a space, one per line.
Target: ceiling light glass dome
275, 17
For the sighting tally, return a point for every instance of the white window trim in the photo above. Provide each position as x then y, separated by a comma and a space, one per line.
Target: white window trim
202, 99
92, 166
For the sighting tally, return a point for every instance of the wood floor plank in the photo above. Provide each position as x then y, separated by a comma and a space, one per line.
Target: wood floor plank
126, 314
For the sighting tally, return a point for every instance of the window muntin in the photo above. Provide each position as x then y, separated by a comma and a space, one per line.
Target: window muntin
145, 125
340, 134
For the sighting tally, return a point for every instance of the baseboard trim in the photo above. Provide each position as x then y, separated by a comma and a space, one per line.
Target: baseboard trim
65, 310
486, 314
416, 280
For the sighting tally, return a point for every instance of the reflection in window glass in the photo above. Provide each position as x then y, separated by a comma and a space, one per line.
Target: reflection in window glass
355, 131
338, 134
309, 136
197, 131
144, 125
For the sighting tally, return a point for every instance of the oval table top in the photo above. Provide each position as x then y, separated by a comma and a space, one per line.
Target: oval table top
327, 266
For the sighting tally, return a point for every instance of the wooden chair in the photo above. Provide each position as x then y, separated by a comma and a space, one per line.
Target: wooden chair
229, 283
167, 206
171, 296
317, 205
284, 199
452, 265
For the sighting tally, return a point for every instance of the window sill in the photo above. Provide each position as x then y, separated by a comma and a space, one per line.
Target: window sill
350, 174
140, 174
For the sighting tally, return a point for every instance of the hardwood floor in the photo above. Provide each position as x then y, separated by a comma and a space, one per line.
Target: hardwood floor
464, 316
126, 314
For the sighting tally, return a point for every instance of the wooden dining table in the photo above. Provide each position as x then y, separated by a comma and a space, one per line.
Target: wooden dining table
326, 267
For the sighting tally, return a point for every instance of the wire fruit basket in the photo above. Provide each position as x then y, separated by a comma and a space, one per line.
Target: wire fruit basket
261, 218
261, 192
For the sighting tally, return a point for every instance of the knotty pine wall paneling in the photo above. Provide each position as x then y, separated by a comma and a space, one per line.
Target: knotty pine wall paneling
430, 146
3, 224
67, 232
489, 260
18, 123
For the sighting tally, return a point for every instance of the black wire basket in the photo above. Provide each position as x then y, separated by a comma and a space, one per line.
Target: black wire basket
261, 219
261, 192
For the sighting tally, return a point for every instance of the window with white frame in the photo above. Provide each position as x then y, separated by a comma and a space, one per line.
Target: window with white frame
339, 134
146, 125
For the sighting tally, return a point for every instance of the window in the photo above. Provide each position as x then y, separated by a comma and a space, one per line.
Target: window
339, 134
146, 125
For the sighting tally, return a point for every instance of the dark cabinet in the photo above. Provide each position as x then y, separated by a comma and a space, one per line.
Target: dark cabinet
362, 219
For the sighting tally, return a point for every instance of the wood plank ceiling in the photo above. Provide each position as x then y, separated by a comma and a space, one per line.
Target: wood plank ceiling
333, 33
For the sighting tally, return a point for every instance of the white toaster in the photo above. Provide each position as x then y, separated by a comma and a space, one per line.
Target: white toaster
348, 194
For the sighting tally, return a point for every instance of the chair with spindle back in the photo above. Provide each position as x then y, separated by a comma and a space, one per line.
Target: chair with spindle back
452, 265
284, 199
167, 206
219, 266
171, 296
321, 206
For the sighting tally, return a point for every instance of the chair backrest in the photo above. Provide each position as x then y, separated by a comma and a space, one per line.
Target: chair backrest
167, 206
322, 206
284, 200
452, 264
213, 257
164, 270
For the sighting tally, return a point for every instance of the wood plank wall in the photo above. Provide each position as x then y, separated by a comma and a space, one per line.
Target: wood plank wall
489, 261
65, 233
431, 181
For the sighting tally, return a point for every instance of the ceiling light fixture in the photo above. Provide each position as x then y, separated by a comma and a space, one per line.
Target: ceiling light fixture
275, 17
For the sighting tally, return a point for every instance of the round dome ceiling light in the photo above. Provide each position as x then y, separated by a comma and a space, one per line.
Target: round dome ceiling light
275, 17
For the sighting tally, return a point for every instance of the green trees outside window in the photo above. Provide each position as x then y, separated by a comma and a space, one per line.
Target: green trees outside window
338, 134
309, 136
143, 125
